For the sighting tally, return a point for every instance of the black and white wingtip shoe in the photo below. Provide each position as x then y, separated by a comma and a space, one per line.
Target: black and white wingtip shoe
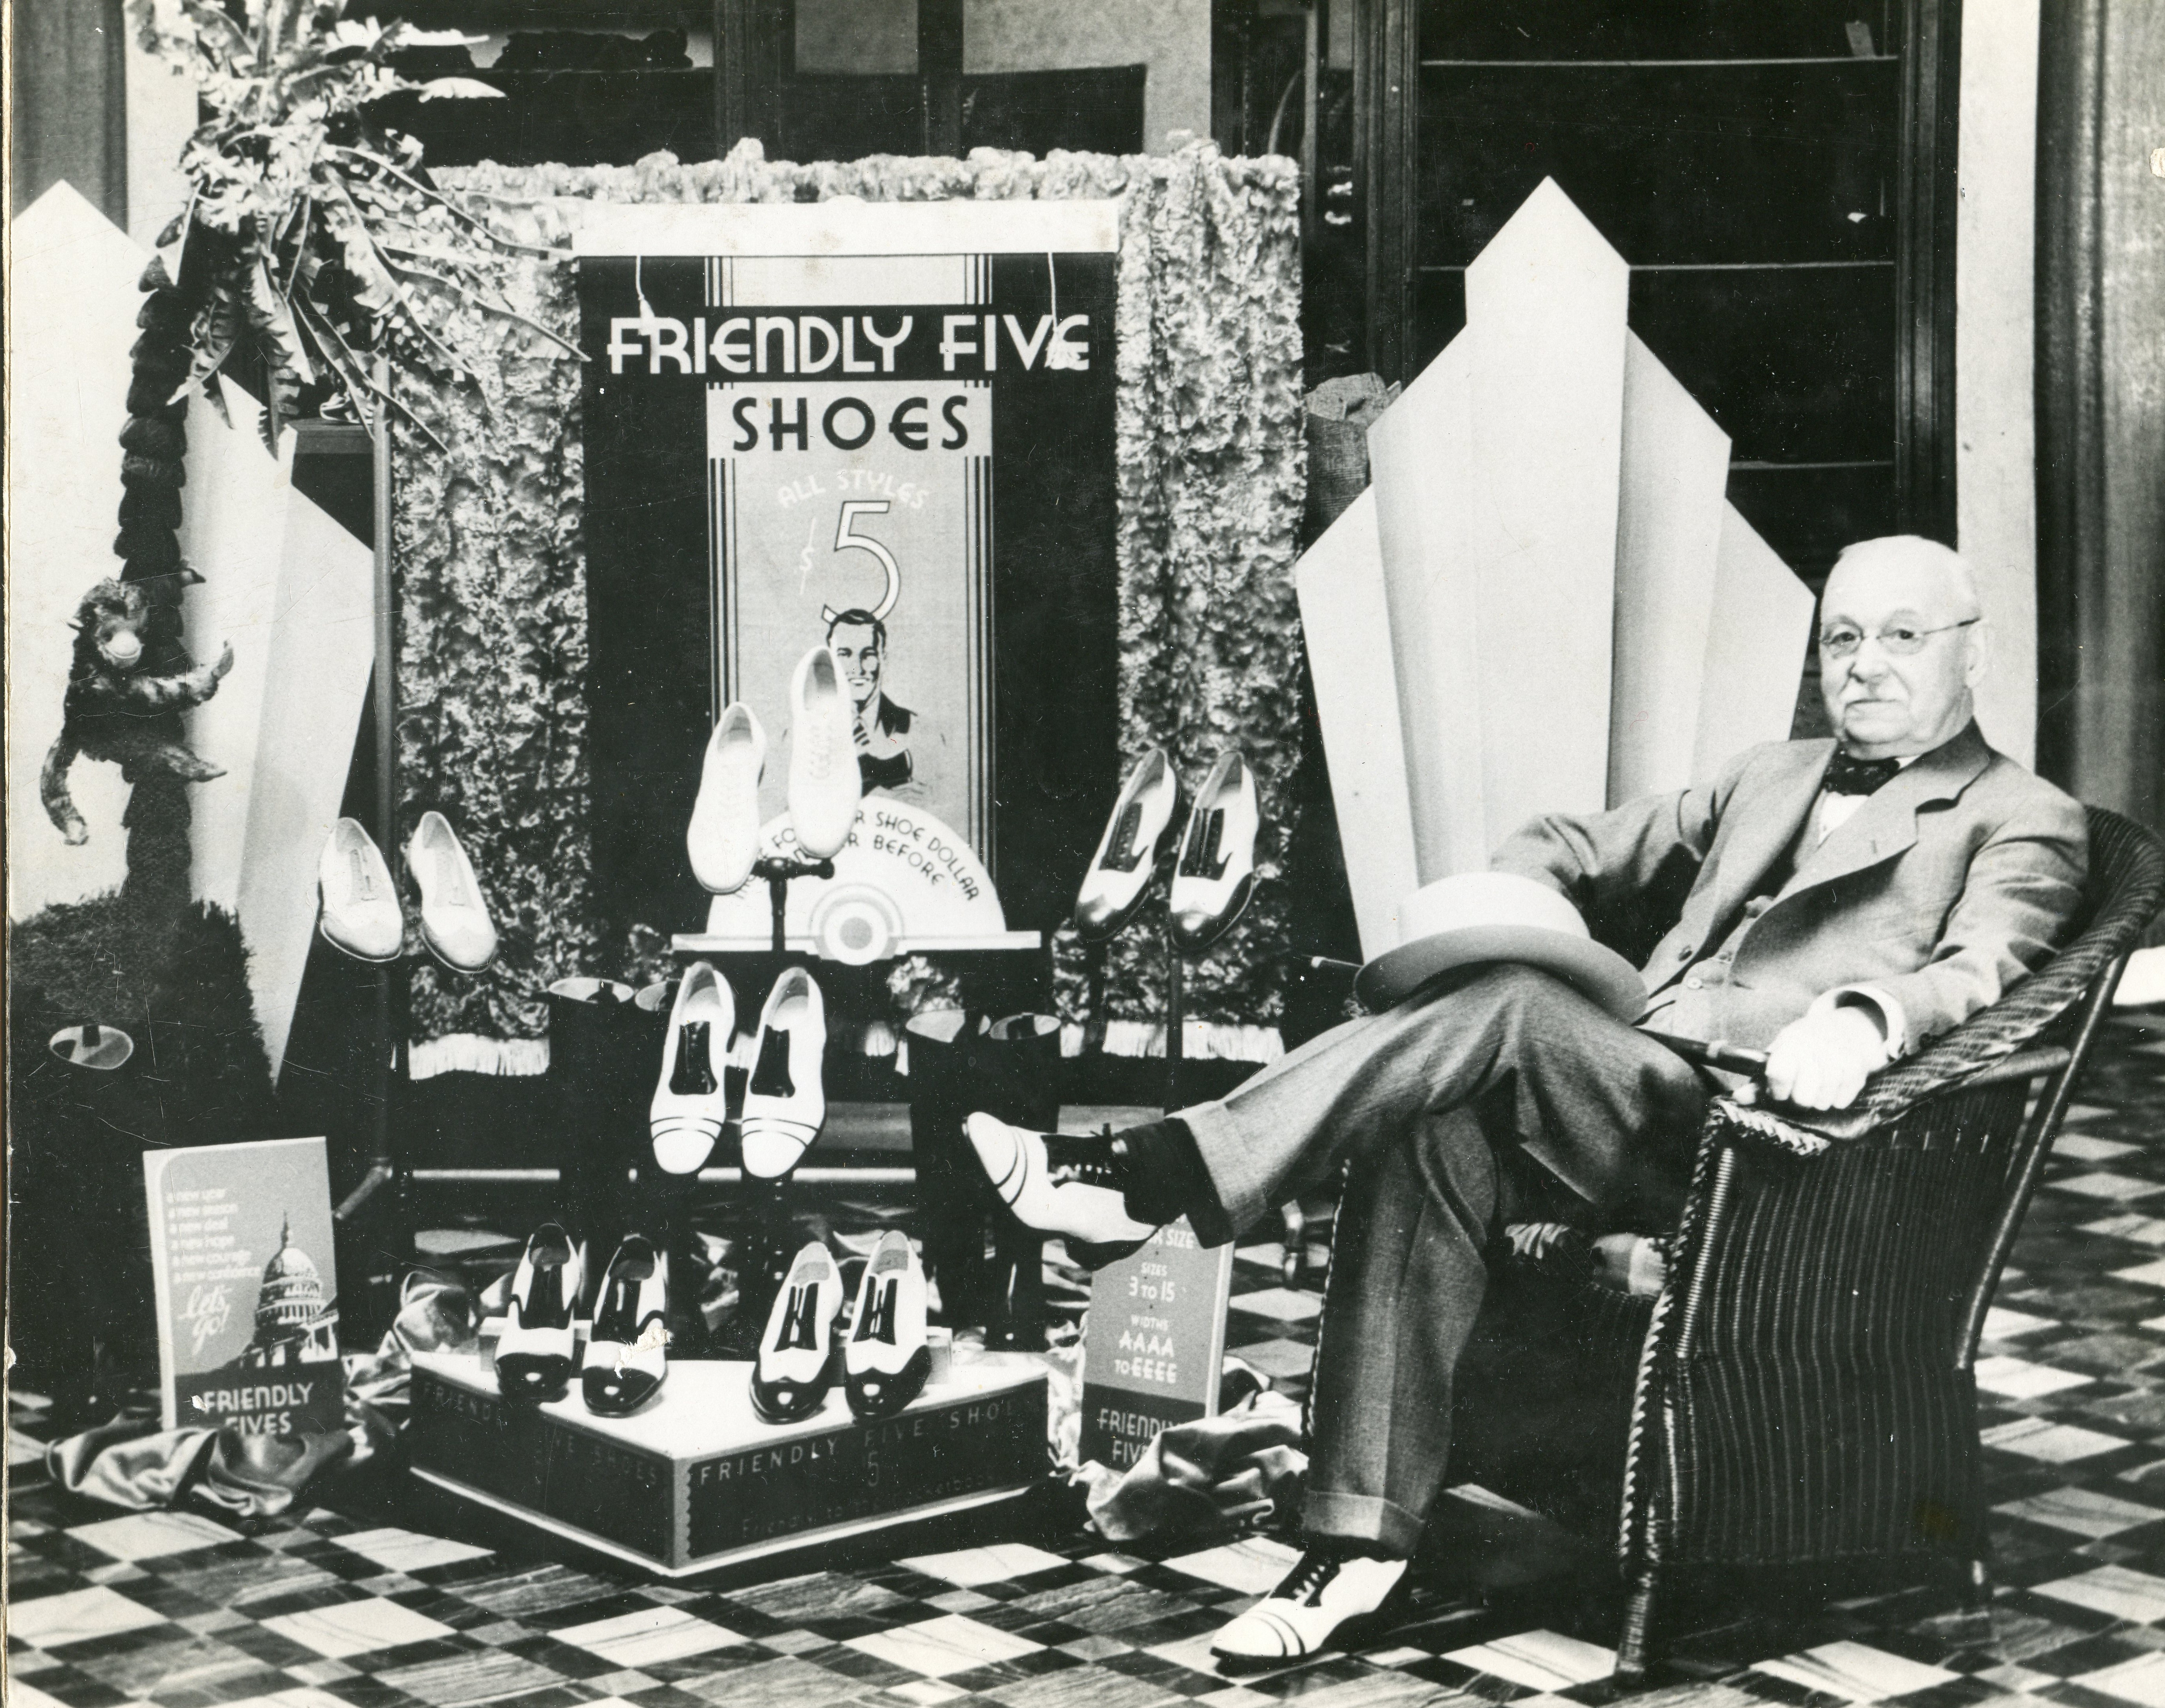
538, 1351
785, 1103
1330, 1600
1058, 1184
885, 1361
1215, 875
691, 1102
795, 1366
1145, 819
628, 1351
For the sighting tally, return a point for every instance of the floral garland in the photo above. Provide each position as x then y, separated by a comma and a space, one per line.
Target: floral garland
1211, 466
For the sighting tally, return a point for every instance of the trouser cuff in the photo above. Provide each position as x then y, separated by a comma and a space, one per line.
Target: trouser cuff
1218, 1139
1360, 1518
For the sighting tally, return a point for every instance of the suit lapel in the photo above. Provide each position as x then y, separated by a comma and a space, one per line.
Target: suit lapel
1767, 827
1759, 825
1886, 824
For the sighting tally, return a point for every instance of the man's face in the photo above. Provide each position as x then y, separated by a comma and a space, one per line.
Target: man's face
856, 651
1884, 704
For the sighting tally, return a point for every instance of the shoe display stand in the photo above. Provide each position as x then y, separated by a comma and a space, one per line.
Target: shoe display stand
696, 1481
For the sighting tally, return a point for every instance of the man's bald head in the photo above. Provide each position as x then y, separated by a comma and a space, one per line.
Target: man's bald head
1916, 562
1902, 644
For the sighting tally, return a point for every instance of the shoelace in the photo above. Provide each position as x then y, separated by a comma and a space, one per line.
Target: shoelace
769, 1075
1202, 861
800, 1320
1124, 853
364, 880
450, 884
1305, 1583
1070, 1161
879, 1314
818, 750
695, 1069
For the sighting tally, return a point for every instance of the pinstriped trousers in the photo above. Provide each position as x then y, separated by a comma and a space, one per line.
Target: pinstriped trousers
1435, 1107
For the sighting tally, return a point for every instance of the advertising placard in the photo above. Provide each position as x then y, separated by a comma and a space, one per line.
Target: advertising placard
1155, 1343
886, 427
240, 1249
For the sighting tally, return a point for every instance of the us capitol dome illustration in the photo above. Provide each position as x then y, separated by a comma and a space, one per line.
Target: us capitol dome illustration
294, 1323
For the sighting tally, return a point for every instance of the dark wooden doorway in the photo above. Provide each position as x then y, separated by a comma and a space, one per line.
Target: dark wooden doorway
1780, 176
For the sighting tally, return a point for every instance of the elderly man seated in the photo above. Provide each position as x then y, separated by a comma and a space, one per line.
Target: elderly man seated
1837, 903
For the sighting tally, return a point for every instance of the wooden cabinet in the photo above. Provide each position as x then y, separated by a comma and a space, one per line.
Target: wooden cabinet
1779, 174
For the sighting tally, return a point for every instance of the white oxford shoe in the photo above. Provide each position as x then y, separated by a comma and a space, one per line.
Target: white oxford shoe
454, 921
785, 1103
1216, 871
691, 1102
885, 1361
823, 780
360, 915
1145, 818
1059, 1183
723, 837
1329, 1599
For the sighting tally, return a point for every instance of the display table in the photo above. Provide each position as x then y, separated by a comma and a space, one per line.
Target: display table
698, 1480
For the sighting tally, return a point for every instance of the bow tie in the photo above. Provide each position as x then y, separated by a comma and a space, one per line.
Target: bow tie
1846, 775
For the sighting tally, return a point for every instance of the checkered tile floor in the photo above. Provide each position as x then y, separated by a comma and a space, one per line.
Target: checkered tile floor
328, 1611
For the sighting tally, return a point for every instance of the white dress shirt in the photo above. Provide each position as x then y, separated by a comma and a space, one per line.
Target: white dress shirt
1832, 811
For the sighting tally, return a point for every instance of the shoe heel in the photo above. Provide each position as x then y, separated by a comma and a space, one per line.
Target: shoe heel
1094, 1257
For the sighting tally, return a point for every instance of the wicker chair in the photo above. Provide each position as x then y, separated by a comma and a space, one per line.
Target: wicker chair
1800, 1394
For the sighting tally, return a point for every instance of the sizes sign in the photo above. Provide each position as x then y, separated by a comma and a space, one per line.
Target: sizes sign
1156, 1342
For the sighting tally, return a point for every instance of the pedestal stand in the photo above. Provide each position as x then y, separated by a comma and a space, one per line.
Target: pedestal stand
1176, 1015
777, 873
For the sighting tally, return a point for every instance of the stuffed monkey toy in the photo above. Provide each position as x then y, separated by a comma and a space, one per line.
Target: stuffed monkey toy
113, 705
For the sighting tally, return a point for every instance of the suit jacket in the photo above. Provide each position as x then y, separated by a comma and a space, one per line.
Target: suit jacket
1945, 886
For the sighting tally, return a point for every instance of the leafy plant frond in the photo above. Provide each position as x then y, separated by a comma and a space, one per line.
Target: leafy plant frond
314, 221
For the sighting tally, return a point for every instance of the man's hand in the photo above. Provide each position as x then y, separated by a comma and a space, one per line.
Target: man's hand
1821, 1061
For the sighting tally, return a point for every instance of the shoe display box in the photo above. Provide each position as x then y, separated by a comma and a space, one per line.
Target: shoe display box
698, 1480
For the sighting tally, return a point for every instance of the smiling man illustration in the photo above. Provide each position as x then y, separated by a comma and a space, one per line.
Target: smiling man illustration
886, 756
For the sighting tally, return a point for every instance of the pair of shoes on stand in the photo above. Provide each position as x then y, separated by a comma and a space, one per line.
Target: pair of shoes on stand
884, 1361
960, 1061
785, 1101
359, 911
627, 1351
824, 781
1214, 873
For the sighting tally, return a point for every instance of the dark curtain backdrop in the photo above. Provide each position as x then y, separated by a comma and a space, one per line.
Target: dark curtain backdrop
67, 108
2101, 404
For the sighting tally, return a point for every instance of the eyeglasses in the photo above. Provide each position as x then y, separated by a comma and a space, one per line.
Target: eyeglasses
1900, 642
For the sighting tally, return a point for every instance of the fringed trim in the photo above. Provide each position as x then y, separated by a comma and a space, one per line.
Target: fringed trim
1773, 1130
1200, 1040
469, 1053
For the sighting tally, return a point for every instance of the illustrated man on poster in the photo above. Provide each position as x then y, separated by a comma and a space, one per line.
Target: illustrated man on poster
895, 751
